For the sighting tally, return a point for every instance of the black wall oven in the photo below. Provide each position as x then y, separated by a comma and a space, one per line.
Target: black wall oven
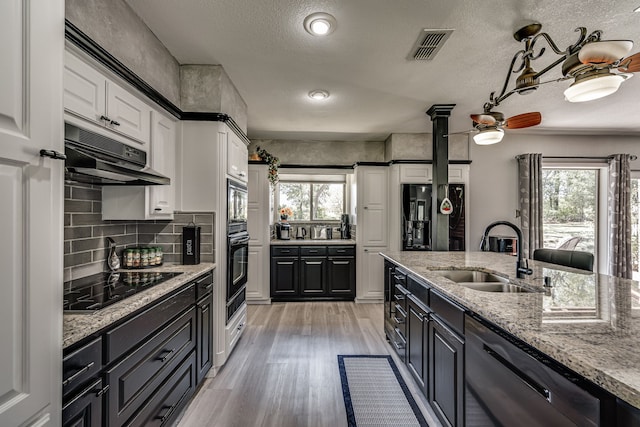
237, 247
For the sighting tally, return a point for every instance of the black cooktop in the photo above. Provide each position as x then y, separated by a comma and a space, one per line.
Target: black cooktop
100, 290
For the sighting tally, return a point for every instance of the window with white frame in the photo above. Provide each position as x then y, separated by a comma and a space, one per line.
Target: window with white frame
316, 198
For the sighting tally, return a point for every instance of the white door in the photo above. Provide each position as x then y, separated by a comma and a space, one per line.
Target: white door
31, 191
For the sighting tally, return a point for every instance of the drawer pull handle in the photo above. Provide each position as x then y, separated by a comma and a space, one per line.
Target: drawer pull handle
208, 287
102, 391
399, 297
105, 118
113, 122
167, 415
77, 374
167, 356
398, 321
523, 377
341, 251
398, 346
208, 276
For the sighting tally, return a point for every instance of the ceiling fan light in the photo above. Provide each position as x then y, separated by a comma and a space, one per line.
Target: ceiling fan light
588, 89
488, 136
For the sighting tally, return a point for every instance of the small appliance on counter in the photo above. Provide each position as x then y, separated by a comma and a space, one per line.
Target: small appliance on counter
321, 232
345, 231
301, 232
506, 244
283, 231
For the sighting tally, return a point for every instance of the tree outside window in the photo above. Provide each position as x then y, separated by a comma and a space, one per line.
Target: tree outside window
312, 201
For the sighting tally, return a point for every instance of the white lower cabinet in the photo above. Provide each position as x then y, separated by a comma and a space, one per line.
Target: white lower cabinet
370, 283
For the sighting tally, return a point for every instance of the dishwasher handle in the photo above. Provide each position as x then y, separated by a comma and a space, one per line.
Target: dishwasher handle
544, 392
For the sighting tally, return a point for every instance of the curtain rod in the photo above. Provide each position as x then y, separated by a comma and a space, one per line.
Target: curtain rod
632, 157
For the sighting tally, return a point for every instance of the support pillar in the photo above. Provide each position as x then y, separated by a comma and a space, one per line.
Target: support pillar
439, 114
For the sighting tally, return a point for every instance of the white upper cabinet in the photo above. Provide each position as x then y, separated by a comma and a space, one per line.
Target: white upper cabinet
415, 174
127, 114
161, 203
237, 158
151, 201
90, 95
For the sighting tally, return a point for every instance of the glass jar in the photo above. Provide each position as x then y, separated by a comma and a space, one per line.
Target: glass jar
128, 258
136, 257
152, 256
159, 256
144, 257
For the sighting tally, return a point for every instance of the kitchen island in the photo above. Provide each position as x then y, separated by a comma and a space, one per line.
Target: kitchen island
588, 322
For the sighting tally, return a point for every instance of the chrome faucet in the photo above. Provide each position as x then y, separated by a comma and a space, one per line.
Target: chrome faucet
520, 270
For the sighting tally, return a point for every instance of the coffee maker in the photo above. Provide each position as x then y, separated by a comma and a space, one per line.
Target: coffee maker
283, 231
345, 232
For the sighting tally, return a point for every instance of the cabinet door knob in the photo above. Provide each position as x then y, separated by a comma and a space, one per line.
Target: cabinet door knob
366, 207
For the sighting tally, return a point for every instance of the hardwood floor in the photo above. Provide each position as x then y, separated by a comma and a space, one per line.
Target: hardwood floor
284, 370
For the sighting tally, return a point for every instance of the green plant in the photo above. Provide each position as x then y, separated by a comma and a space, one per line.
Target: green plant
273, 162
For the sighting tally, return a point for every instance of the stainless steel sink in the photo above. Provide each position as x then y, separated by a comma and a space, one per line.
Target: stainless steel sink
482, 281
464, 276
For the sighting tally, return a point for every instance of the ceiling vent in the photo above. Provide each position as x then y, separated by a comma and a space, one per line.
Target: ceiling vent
428, 44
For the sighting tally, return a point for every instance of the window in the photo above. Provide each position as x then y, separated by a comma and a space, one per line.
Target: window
570, 208
312, 201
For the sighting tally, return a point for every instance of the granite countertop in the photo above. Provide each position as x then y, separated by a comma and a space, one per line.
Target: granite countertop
305, 242
76, 326
589, 322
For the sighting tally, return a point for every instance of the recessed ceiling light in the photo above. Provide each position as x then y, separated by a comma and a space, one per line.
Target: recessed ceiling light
320, 24
319, 94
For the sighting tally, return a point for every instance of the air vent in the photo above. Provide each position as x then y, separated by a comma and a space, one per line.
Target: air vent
428, 44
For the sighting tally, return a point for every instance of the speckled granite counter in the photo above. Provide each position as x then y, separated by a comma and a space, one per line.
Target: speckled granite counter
588, 322
75, 327
320, 242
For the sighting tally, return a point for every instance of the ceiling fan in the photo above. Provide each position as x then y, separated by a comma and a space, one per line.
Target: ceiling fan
491, 124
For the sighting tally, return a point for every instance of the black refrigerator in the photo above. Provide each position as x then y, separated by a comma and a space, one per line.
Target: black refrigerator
416, 217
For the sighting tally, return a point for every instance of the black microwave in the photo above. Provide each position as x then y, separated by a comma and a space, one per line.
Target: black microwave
237, 200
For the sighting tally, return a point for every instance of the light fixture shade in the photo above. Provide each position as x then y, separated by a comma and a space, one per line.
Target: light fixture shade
594, 88
320, 24
488, 136
319, 94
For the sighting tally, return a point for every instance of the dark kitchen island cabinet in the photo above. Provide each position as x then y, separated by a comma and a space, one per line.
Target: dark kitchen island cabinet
302, 273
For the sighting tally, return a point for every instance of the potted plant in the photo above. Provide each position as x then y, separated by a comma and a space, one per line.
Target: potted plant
273, 162
285, 213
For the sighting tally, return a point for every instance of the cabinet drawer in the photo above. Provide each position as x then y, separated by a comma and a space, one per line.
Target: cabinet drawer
135, 330
171, 397
448, 311
204, 285
418, 289
342, 251
85, 408
139, 375
313, 250
81, 365
284, 250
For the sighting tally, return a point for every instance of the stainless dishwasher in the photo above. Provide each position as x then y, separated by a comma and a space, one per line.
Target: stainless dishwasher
508, 384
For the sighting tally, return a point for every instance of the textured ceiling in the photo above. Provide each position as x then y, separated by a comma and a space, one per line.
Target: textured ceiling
375, 89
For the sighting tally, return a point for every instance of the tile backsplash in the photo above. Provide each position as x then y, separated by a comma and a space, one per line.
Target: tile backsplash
85, 246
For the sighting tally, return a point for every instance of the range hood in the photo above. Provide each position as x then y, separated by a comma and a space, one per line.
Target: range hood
96, 159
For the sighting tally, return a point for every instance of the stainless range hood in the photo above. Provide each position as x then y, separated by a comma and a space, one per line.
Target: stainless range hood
96, 159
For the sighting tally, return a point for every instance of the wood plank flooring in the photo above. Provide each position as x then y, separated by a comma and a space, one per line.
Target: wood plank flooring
284, 370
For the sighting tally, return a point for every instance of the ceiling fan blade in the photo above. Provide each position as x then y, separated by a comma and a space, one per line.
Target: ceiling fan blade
631, 64
604, 52
523, 120
483, 119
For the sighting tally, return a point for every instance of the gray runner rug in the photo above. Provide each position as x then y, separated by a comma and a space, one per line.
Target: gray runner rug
375, 394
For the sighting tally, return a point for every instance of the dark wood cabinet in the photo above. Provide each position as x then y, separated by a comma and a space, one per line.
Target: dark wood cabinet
418, 342
312, 272
446, 373
153, 361
313, 276
341, 276
86, 408
284, 276
204, 348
